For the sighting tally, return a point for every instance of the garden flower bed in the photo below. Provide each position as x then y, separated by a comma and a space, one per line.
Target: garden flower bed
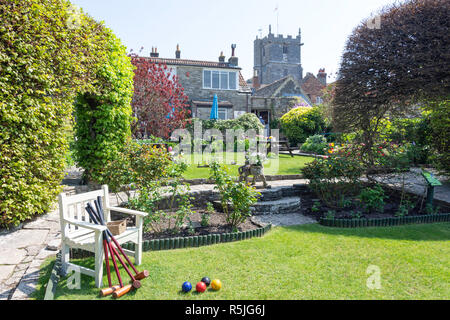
354, 213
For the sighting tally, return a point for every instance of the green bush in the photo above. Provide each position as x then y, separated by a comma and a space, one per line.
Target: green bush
336, 177
315, 144
372, 199
440, 127
103, 117
245, 122
137, 166
44, 63
236, 197
301, 122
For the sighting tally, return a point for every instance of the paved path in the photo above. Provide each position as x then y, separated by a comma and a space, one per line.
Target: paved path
276, 220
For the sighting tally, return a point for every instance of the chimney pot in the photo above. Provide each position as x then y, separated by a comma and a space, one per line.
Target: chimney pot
178, 52
221, 57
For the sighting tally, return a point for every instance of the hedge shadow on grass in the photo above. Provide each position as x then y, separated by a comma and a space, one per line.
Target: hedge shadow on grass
415, 232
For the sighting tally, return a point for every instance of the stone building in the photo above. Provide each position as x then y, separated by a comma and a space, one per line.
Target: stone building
273, 100
201, 80
313, 86
276, 57
278, 83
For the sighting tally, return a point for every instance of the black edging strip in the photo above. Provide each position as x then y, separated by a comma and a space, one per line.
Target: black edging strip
197, 241
384, 222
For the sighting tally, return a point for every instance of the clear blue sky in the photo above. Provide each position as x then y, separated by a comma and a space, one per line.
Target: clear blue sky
204, 28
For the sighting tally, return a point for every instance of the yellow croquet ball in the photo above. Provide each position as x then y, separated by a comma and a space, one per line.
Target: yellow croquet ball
216, 284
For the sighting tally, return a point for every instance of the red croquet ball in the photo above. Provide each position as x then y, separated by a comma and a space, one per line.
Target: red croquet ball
200, 287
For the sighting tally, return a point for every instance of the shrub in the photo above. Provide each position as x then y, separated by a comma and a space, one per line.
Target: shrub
236, 197
316, 144
440, 127
245, 122
137, 166
44, 63
372, 199
334, 177
103, 118
301, 122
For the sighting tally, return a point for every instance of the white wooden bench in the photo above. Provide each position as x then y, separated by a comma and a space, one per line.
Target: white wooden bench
77, 231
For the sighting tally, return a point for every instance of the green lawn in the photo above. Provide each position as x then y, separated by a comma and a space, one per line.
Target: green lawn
283, 166
302, 262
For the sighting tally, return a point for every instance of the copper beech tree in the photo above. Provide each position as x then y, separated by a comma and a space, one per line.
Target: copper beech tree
159, 102
399, 59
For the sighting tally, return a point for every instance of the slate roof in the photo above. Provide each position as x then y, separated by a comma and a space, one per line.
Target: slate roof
273, 90
195, 63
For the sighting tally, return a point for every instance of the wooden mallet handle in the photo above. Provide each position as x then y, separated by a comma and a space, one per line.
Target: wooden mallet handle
122, 291
107, 291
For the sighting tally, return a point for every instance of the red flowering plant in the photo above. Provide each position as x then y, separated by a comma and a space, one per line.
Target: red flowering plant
159, 102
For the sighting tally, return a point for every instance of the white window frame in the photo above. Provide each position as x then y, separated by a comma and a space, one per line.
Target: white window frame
220, 79
223, 110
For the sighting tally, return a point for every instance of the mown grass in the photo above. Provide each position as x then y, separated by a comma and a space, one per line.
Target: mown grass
284, 165
301, 262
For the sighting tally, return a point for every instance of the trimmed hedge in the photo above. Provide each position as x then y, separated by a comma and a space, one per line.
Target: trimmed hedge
104, 118
45, 61
301, 122
384, 222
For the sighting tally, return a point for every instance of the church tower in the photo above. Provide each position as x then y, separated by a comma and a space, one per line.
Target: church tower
276, 57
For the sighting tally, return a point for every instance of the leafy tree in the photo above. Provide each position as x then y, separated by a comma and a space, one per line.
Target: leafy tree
159, 102
45, 60
386, 69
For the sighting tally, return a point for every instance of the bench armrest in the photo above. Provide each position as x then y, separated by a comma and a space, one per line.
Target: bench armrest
128, 211
87, 225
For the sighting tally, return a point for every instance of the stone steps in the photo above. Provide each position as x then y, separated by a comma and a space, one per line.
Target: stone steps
279, 200
280, 206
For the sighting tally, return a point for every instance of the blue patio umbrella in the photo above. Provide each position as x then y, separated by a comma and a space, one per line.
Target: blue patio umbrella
215, 109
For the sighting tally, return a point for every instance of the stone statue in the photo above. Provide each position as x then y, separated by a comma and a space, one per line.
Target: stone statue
252, 170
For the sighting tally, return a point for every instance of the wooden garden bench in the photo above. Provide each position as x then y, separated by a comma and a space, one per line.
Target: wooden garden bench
77, 231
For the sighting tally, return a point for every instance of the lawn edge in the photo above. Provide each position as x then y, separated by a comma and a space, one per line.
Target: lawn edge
384, 222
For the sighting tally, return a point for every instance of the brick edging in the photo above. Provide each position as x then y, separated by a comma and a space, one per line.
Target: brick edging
384, 222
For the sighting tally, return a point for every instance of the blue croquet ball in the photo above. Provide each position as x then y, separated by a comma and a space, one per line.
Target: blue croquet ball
186, 287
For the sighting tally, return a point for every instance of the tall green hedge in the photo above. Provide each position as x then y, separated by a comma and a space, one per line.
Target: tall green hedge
103, 118
45, 60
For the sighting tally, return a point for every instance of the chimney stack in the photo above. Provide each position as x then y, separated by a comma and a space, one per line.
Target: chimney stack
255, 81
221, 57
154, 53
178, 52
322, 76
233, 61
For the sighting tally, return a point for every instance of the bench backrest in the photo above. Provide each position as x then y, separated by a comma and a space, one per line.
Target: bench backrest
73, 207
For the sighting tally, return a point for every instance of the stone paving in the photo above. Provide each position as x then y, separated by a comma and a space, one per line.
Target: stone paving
25, 249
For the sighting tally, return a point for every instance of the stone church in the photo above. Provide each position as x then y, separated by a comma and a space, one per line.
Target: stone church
278, 82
